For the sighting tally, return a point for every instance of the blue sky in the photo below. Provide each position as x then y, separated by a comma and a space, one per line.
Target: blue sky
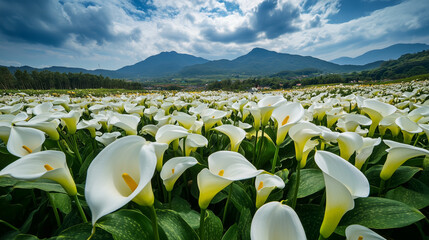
112, 34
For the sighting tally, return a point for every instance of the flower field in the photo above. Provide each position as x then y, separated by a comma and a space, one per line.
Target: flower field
333, 162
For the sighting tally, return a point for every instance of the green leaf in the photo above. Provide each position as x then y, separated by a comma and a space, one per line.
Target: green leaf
239, 197
416, 195
378, 153
402, 175
311, 217
232, 233
82, 231
174, 226
62, 202
126, 224
213, 228
244, 224
25, 237
380, 213
311, 181
182, 207
283, 174
42, 184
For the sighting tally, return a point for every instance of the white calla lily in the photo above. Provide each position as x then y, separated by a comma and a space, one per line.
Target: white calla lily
174, 168
91, 125
267, 105
235, 134
344, 182
408, 128
300, 134
398, 154
23, 141
108, 138
126, 122
376, 110
363, 153
71, 119
112, 182
168, 133
264, 184
359, 232
275, 221
211, 117
348, 143
286, 115
224, 168
184, 119
193, 141
47, 164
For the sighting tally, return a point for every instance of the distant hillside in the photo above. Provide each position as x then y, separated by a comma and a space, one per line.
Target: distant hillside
405, 66
160, 65
390, 53
260, 62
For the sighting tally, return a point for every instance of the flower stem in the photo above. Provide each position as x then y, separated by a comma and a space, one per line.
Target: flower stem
169, 199
260, 147
154, 222
202, 216
54, 209
417, 139
276, 154
225, 210
254, 146
295, 193
321, 237
79, 207
381, 188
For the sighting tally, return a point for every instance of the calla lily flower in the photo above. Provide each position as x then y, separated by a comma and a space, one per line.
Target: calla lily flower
363, 153
43, 123
6, 123
349, 142
184, 119
47, 164
168, 133
126, 122
350, 122
23, 141
333, 115
425, 128
91, 125
235, 134
377, 111
398, 154
174, 168
211, 117
193, 141
264, 184
389, 123
344, 182
112, 182
359, 232
71, 120
286, 115
408, 128
308, 147
224, 168
149, 129
43, 108
300, 134
108, 138
275, 221
267, 106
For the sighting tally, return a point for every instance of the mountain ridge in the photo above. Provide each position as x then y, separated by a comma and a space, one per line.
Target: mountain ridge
384, 54
257, 62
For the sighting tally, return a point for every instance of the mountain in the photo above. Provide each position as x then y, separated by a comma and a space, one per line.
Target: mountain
262, 62
389, 53
163, 64
258, 62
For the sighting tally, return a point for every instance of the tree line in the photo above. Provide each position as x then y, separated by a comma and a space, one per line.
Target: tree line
54, 80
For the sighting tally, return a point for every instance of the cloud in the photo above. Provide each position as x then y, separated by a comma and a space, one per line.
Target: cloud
53, 23
269, 20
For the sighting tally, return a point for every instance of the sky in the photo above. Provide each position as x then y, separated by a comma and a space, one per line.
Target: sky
111, 34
